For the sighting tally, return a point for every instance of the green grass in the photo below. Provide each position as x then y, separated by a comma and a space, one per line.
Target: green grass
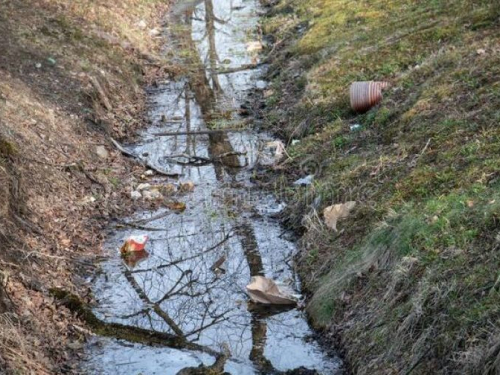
413, 275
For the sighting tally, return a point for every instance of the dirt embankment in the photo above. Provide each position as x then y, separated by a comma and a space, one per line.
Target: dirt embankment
409, 282
70, 78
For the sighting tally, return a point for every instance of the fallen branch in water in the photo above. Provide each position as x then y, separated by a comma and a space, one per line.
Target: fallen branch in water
140, 227
199, 132
201, 160
148, 220
237, 68
140, 160
125, 332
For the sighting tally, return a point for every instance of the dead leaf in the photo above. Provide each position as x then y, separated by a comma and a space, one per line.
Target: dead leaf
186, 186
168, 189
338, 211
178, 206
265, 291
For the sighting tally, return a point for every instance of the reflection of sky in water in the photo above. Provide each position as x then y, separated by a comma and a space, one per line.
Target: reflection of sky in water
234, 24
209, 308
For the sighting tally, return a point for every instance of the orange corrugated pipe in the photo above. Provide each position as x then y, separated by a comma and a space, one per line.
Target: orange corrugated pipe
366, 94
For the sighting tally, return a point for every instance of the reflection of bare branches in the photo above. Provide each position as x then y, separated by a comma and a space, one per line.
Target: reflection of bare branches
215, 320
181, 260
138, 313
156, 307
169, 293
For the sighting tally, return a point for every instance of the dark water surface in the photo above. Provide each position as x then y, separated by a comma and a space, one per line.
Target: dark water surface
176, 288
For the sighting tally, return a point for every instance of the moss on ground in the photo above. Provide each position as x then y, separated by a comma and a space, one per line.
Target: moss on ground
411, 283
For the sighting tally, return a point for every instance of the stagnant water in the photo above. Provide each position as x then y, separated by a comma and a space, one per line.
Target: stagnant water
176, 289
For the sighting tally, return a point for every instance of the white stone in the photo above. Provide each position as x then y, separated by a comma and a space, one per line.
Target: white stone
135, 195
101, 152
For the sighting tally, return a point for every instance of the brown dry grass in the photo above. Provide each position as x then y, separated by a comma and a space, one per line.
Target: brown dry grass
52, 118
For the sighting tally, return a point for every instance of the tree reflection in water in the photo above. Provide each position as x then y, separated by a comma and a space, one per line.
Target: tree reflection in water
176, 289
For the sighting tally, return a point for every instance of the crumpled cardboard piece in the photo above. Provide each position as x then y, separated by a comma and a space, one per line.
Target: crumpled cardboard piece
338, 211
265, 291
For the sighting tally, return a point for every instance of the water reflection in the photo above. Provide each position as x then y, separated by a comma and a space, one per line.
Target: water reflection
192, 284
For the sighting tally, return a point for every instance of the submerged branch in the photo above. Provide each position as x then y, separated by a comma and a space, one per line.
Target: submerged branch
201, 160
140, 160
122, 331
199, 132
238, 68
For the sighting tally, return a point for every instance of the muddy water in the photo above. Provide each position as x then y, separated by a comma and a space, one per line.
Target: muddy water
177, 289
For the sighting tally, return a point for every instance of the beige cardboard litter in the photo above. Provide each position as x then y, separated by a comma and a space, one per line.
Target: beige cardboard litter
265, 291
338, 211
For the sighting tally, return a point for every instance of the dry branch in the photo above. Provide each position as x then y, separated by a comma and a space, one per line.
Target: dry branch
200, 132
140, 160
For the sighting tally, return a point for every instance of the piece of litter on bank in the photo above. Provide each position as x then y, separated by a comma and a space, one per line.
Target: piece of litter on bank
149, 172
295, 141
265, 291
366, 94
268, 93
278, 148
154, 32
141, 24
102, 152
134, 243
254, 46
144, 186
337, 211
88, 199
304, 181
355, 127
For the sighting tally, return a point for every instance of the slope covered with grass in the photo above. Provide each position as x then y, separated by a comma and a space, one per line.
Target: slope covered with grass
411, 281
